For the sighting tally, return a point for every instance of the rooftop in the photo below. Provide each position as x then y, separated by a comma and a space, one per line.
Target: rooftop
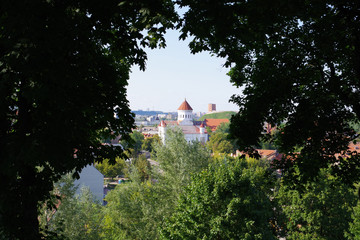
214, 123
185, 106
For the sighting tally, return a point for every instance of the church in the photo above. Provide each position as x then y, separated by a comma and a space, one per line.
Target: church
193, 130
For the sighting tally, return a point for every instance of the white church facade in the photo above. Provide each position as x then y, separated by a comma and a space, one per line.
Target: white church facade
193, 131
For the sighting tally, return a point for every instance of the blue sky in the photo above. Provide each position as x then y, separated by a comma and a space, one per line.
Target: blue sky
173, 74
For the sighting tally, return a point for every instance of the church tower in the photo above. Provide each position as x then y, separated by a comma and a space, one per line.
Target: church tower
185, 114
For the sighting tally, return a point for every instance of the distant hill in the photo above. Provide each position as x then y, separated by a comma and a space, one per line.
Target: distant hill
217, 115
147, 113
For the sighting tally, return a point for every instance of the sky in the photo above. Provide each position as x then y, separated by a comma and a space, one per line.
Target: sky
173, 74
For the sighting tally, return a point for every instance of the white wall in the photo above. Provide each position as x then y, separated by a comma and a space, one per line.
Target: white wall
197, 137
92, 178
185, 117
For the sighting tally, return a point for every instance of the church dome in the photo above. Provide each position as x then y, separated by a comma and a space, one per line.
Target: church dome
185, 106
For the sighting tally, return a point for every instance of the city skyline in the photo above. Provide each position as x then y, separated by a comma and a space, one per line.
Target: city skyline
173, 74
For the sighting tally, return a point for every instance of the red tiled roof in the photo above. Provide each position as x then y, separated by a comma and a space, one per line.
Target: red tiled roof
264, 153
214, 123
185, 106
147, 135
190, 129
268, 154
354, 147
171, 123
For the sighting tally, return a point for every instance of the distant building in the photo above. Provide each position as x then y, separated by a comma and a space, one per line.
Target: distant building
171, 116
151, 118
211, 107
143, 123
149, 131
199, 114
192, 130
148, 121
162, 115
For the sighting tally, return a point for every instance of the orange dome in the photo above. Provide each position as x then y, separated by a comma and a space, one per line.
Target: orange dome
185, 106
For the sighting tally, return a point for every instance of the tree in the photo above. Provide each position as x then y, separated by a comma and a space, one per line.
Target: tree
142, 166
137, 210
133, 144
317, 210
64, 68
75, 217
208, 129
354, 228
219, 143
178, 160
298, 63
133, 210
138, 139
149, 143
223, 127
229, 200
112, 170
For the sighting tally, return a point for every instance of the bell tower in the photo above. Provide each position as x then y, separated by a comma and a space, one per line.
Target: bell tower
185, 114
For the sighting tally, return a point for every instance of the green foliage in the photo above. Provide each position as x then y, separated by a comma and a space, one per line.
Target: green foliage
269, 141
149, 143
136, 210
142, 166
317, 210
356, 126
178, 160
64, 67
267, 145
112, 170
223, 127
229, 200
217, 115
354, 229
296, 62
219, 143
138, 139
208, 130
72, 217
133, 145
